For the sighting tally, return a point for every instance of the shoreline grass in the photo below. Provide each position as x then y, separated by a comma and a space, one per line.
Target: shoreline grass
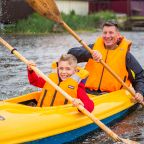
36, 24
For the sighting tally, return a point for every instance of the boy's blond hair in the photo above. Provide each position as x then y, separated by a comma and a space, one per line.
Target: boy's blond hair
70, 58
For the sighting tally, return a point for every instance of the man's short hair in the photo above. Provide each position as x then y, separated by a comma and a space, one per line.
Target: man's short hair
110, 23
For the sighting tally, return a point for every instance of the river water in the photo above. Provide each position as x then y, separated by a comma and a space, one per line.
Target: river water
44, 50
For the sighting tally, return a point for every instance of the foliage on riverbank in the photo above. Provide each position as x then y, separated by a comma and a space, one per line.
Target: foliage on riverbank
36, 24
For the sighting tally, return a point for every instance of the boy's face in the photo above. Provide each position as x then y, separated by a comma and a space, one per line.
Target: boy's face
65, 70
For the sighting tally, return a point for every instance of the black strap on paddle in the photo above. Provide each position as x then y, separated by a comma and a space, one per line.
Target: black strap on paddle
12, 51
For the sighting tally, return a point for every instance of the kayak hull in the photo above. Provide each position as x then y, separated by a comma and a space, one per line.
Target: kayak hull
59, 124
81, 132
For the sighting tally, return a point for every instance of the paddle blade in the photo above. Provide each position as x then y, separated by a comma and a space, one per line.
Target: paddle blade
127, 141
46, 8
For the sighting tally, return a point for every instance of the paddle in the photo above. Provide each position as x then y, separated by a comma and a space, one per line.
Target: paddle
48, 9
80, 107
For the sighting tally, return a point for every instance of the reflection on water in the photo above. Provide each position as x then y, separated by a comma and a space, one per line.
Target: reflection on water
44, 50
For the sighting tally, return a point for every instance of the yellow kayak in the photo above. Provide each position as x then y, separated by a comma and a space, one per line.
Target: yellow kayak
21, 123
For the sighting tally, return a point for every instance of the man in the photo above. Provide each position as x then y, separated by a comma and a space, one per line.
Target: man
114, 50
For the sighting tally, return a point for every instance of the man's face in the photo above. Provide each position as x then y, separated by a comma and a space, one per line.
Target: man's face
110, 36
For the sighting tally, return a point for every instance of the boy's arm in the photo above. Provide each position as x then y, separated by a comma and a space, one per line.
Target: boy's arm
82, 95
35, 80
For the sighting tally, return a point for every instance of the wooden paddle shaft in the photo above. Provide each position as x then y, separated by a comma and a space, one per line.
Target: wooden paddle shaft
23, 59
76, 36
81, 108
90, 50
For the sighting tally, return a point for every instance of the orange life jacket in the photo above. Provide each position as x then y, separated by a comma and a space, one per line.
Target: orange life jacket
51, 97
99, 77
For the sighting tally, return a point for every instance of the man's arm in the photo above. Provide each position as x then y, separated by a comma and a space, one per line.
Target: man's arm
81, 53
138, 79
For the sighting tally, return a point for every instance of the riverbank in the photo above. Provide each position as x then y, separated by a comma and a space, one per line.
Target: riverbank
36, 24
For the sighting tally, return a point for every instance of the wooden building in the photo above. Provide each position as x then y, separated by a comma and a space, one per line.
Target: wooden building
129, 7
81, 7
12, 10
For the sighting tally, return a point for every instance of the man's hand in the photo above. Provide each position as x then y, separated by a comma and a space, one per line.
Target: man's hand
139, 98
96, 55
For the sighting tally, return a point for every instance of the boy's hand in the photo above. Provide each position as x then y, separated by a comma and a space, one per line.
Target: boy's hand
30, 63
77, 102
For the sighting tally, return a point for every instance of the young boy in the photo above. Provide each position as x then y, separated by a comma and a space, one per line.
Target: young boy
68, 77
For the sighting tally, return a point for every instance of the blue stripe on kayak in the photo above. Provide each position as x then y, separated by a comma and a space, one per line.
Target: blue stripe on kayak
77, 133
